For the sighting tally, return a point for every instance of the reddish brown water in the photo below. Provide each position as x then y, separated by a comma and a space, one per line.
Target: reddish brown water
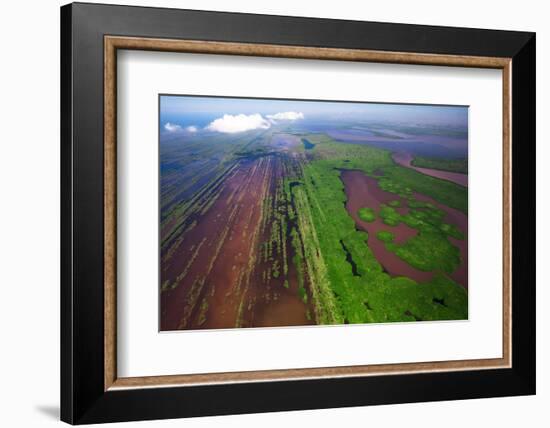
405, 159
212, 253
274, 305
363, 191
221, 255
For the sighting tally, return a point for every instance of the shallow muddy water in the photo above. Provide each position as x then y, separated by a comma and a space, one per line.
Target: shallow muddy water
217, 267
363, 191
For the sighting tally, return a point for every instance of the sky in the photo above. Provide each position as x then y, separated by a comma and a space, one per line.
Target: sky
231, 115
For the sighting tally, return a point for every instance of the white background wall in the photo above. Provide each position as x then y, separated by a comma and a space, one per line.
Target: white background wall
29, 215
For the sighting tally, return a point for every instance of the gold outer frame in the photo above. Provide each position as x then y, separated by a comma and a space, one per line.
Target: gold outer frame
113, 43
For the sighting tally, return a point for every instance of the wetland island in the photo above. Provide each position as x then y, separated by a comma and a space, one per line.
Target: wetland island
290, 213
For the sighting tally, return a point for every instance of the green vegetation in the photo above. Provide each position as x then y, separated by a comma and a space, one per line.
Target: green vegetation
306, 231
413, 203
302, 293
404, 181
451, 230
385, 236
452, 165
430, 250
389, 215
366, 214
362, 292
202, 312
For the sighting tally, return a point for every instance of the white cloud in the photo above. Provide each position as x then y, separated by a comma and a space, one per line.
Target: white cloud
286, 115
242, 122
238, 123
191, 129
171, 127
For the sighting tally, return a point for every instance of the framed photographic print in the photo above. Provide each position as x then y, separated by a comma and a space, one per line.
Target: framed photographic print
265, 213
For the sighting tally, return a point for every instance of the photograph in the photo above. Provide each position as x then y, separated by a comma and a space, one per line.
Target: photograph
288, 212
